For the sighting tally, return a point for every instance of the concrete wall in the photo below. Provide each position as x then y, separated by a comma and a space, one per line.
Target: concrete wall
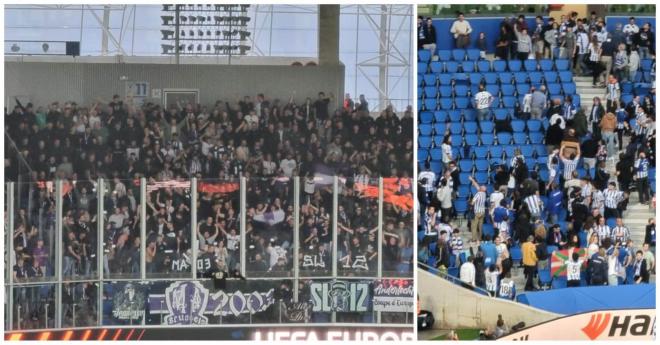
82, 82
457, 307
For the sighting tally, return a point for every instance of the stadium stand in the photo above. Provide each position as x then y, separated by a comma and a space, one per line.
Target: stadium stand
510, 177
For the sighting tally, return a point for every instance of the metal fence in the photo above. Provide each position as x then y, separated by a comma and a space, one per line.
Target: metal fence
329, 242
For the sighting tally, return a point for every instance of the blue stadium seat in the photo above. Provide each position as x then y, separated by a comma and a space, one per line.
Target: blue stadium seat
440, 116
526, 150
480, 152
499, 65
430, 79
554, 88
481, 177
461, 207
535, 77
561, 64
576, 100
430, 104
531, 65
471, 139
437, 67
446, 91
506, 78
544, 174
518, 125
626, 87
488, 230
626, 98
487, 126
423, 55
422, 67
515, 65
522, 89
483, 66
487, 139
569, 88
452, 66
454, 115
501, 114
436, 166
470, 127
534, 125
520, 77
516, 255
546, 64
519, 138
473, 54
559, 283
439, 128
496, 152
465, 165
430, 91
462, 102
444, 55
509, 151
565, 76
490, 78
424, 142
463, 191
445, 78
461, 90
458, 54
648, 78
436, 154
509, 101
481, 164
475, 78
552, 249
545, 279
470, 114
504, 138
493, 89
455, 128
426, 117
456, 140
474, 88
550, 76
467, 66
508, 89
425, 129
536, 137
646, 65
446, 103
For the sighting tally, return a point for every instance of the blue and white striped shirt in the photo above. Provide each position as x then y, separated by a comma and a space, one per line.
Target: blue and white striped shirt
479, 203
612, 197
569, 167
642, 167
534, 204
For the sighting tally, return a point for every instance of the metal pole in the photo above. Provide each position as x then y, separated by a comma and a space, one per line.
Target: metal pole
143, 228
12, 255
100, 194
243, 214
176, 33
19, 316
106, 26
296, 236
58, 253
193, 226
335, 211
380, 236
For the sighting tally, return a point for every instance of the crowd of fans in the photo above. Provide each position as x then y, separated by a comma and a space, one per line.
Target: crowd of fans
582, 202
268, 141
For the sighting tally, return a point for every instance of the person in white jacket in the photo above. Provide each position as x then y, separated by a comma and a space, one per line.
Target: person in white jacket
633, 65
444, 195
468, 273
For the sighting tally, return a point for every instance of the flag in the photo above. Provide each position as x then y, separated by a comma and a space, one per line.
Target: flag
559, 258
395, 191
223, 187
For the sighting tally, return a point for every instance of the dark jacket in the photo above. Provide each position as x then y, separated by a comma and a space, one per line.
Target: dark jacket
598, 270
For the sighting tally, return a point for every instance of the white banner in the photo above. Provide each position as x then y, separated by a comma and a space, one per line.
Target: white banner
394, 295
632, 324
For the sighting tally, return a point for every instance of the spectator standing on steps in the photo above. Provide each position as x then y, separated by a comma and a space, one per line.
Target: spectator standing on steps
461, 30
529, 262
479, 206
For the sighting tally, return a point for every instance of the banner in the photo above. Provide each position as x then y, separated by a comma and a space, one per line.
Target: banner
223, 187
128, 302
313, 261
340, 296
396, 191
559, 258
631, 324
186, 302
297, 312
394, 295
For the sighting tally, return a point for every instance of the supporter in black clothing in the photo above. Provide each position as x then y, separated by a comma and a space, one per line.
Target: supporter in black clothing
554, 135
624, 171
649, 233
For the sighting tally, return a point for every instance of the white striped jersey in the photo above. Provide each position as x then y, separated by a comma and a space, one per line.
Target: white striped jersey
620, 234
586, 191
430, 179
597, 199
534, 204
479, 203
612, 197
569, 167
603, 232
482, 99
642, 168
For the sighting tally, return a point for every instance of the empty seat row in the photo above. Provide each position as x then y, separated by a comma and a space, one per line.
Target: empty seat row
505, 78
494, 89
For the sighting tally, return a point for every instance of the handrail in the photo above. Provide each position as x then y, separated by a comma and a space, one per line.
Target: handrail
451, 278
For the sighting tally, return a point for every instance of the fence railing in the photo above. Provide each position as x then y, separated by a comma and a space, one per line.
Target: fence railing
93, 245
